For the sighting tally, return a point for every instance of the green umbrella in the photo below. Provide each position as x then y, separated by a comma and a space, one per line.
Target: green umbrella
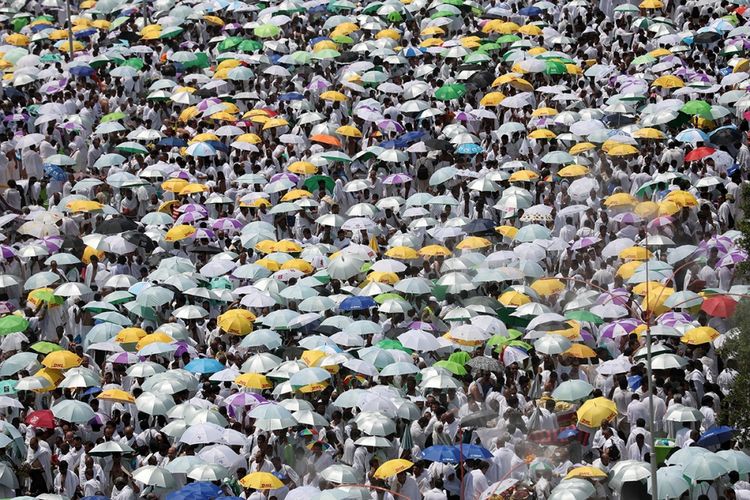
134, 63
388, 296
586, 316
119, 297
457, 3
372, 8
555, 68
200, 61
230, 43
644, 59
393, 344
117, 115
52, 58
171, 32
452, 367
312, 183
477, 57
48, 297
326, 54
266, 31
131, 147
697, 107
450, 91
13, 324
45, 347
301, 57
250, 46
459, 357
503, 39
222, 283
395, 17
489, 47
442, 13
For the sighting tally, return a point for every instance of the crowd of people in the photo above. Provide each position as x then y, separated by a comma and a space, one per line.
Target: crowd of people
291, 250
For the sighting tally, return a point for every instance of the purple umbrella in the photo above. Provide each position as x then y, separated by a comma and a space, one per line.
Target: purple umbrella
733, 257
585, 242
180, 174
193, 207
7, 252
627, 218
673, 318
190, 217
390, 126
618, 296
226, 224
285, 175
203, 233
397, 179
661, 221
6, 307
207, 103
619, 328
318, 84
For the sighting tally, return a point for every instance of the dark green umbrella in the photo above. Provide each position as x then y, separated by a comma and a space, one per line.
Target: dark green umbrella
586, 316
311, 184
450, 91
230, 43
250, 46
555, 68
134, 63
393, 344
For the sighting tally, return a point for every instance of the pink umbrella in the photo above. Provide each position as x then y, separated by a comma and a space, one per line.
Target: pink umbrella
397, 179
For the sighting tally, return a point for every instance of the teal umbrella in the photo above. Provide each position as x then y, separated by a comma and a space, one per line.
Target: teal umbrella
8, 387
584, 316
230, 43
70, 410
572, 390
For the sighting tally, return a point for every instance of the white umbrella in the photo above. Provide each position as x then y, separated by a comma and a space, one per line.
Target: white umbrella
208, 472
152, 475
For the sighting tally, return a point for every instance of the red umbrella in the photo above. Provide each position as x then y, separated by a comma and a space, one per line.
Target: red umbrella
41, 418
719, 306
699, 153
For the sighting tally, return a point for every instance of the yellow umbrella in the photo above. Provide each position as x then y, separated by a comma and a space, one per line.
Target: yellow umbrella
573, 332
492, 99
669, 82
61, 360
346, 28
101, 24
52, 375
644, 288
299, 265
647, 209
573, 171
174, 185
620, 200
668, 207
253, 381
265, 246
130, 335
249, 138
333, 96
302, 168
88, 252
523, 176
649, 133
275, 122
596, 411
431, 42
77, 46
269, 264
180, 232
512, 298
580, 351
349, 131
206, 136
193, 188
586, 472
548, 286
296, 194
432, 30
116, 395
313, 357
261, 481
544, 112
388, 33
654, 300
530, 30
682, 198
403, 253
628, 269
635, 253
17, 40
435, 251
535, 51
581, 147
507, 231
700, 335
58, 35
651, 4
622, 150
236, 321
84, 206
660, 52
572, 69
152, 338
216, 21
392, 467
470, 42
287, 246
542, 133
383, 277
188, 114
473, 243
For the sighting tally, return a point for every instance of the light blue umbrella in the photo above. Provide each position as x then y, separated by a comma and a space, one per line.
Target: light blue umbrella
70, 410
572, 390
41, 280
201, 149
110, 159
705, 467
532, 232
309, 376
17, 362
671, 483
60, 160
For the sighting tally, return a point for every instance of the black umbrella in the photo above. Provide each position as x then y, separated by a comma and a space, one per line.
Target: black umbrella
726, 136
479, 226
116, 225
205, 249
139, 239
478, 419
438, 145
482, 79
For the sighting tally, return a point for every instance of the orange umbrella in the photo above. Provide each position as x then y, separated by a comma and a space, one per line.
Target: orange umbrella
326, 139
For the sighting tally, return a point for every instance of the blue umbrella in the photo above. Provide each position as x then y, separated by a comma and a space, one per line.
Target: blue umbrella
441, 453
219, 146
530, 11
291, 96
567, 434
55, 172
193, 491
716, 436
475, 452
82, 71
357, 303
95, 497
204, 365
412, 52
92, 390
469, 149
172, 142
